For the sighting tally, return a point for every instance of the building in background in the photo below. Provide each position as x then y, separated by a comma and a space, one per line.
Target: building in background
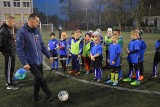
20, 9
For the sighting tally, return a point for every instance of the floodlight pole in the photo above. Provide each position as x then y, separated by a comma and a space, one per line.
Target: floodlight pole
87, 13
46, 11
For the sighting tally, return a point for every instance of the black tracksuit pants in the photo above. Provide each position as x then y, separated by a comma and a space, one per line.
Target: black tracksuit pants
9, 68
39, 80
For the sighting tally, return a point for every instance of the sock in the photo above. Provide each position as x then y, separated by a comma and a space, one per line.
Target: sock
130, 73
154, 69
112, 76
52, 64
116, 76
137, 75
68, 60
56, 64
120, 73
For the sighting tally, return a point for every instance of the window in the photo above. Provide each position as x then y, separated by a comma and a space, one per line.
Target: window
6, 4
25, 4
16, 3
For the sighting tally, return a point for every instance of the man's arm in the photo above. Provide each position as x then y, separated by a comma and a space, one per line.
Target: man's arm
20, 48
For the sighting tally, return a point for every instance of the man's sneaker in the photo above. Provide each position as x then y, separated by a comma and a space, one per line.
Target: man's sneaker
13, 82
71, 72
115, 83
77, 73
11, 87
152, 77
109, 81
135, 83
127, 79
37, 99
49, 98
141, 78
133, 76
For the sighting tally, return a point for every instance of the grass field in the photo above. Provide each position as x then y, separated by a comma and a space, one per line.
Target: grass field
86, 94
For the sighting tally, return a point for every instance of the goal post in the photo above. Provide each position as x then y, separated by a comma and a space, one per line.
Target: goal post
46, 29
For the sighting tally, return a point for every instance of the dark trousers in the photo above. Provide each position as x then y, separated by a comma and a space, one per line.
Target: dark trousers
75, 63
63, 59
39, 81
156, 61
107, 64
9, 68
134, 66
141, 67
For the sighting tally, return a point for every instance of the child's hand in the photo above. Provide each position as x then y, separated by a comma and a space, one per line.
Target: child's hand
79, 56
108, 60
113, 62
93, 59
127, 50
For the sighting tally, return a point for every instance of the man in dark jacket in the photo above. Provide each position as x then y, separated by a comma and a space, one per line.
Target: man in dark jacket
29, 46
8, 49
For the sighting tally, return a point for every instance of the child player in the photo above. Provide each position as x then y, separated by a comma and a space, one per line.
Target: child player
63, 50
76, 52
96, 58
142, 48
133, 54
114, 59
156, 60
107, 42
120, 41
69, 48
52, 47
86, 52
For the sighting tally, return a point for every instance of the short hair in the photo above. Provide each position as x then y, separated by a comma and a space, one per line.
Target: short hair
52, 34
118, 30
115, 35
32, 16
10, 18
63, 34
134, 32
79, 31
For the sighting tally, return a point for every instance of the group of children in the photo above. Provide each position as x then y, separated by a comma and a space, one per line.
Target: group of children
90, 49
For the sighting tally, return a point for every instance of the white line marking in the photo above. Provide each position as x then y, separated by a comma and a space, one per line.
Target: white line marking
108, 86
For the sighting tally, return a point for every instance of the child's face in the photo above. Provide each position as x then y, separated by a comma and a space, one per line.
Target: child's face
76, 36
96, 40
79, 34
52, 37
109, 33
114, 39
63, 37
87, 38
133, 36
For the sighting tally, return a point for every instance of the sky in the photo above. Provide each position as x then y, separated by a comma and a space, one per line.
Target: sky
50, 7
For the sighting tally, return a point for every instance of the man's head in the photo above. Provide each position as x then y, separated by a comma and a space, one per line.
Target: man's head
33, 20
10, 21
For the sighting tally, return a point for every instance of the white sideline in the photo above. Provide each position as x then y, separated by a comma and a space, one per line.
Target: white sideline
108, 86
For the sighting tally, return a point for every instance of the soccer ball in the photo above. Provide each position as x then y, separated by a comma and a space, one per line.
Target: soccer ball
63, 95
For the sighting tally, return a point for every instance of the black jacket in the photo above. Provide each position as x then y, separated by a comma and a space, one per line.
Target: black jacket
7, 40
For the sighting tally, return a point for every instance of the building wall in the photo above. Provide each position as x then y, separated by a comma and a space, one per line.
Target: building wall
20, 13
152, 20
